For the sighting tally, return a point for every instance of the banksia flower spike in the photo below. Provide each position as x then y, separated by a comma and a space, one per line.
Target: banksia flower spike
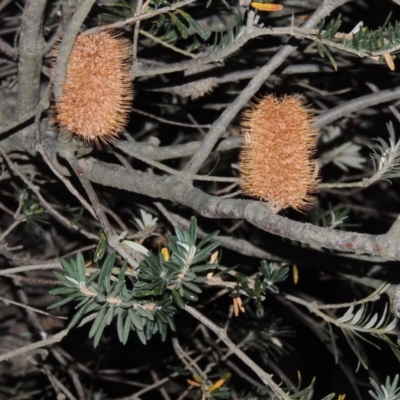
277, 157
98, 90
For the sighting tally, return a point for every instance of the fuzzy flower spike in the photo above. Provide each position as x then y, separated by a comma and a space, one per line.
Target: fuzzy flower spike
277, 157
98, 89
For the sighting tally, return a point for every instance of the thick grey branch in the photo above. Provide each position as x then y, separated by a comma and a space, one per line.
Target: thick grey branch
255, 212
357, 104
31, 50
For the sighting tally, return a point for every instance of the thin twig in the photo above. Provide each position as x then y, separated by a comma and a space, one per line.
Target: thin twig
27, 268
130, 21
180, 174
221, 333
129, 255
174, 151
357, 104
167, 121
43, 343
55, 214
167, 45
36, 310
138, 12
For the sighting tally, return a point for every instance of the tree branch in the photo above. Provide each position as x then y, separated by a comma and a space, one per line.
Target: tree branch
221, 333
31, 50
255, 212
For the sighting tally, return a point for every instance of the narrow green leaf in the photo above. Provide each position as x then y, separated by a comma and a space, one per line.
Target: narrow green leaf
193, 231
62, 291
330, 57
333, 343
101, 248
120, 325
181, 27
159, 315
122, 271
78, 316
259, 309
69, 268
320, 49
127, 329
225, 271
171, 323
149, 329
99, 333
80, 267
141, 337
191, 286
178, 299
110, 314
109, 18
135, 319
144, 313
163, 332
104, 279
117, 288
187, 294
353, 345
194, 24
257, 286
99, 320
64, 301
63, 278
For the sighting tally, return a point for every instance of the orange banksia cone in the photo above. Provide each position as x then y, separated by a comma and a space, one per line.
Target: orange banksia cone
277, 157
98, 90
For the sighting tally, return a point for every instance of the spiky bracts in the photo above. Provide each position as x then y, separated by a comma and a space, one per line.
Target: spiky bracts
98, 89
277, 157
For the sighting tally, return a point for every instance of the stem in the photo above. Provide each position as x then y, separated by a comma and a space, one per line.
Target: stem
221, 333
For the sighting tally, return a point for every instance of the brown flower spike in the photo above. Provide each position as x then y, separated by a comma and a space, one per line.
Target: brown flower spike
98, 89
277, 158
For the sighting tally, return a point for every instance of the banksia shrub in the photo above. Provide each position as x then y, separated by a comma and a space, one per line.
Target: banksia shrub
98, 90
277, 157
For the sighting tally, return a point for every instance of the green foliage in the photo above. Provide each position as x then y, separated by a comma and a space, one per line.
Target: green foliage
386, 156
362, 40
168, 27
331, 218
384, 38
117, 12
141, 301
32, 211
328, 34
356, 322
146, 300
233, 29
388, 391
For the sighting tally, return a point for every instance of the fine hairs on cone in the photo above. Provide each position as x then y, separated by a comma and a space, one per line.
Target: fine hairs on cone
98, 92
277, 158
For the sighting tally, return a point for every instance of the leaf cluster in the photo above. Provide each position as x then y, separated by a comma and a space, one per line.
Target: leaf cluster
269, 275
168, 27
386, 156
143, 301
388, 391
